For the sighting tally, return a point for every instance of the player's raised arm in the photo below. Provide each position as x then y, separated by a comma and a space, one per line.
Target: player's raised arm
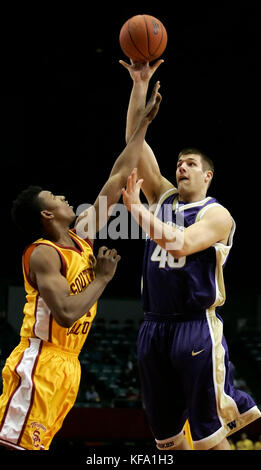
97, 215
154, 183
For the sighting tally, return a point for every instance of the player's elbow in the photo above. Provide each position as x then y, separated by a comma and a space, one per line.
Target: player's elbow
188, 247
179, 248
177, 253
65, 322
63, 317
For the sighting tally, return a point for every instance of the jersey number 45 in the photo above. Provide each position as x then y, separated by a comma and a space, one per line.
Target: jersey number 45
162, 256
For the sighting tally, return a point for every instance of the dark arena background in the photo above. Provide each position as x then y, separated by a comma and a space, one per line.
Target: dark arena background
64, 99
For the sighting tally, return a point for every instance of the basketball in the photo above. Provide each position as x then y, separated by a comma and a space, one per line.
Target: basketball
143, 38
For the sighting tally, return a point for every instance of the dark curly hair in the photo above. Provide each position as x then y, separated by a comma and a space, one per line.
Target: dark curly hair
26, 212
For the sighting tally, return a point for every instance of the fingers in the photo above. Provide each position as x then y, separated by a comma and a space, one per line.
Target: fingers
158, 98
107, 253
115, 255
133, 65
153, 104
154, 98
153, 67
125, 64
129, 185
156, 65
155, 89
146, 70
110, 253
139, 183
133, 187
131, 194
102, 250
131, 181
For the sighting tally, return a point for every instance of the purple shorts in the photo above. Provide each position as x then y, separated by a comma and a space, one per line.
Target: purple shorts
185, 373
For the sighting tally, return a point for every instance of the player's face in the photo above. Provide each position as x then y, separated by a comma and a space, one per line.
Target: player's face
58, 206
190, 175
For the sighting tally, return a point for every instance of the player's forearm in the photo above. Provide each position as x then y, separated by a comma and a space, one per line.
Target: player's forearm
168, 237
129, 157
72, 307
127, 160
136, 106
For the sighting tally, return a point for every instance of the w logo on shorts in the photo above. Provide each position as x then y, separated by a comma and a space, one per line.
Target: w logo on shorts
232, 425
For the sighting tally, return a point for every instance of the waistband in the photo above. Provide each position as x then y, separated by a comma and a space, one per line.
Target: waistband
177, 317
47, 344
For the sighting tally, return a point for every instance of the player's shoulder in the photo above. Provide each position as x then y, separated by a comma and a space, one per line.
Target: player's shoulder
217, 209
212, 207
219, 218
44, 256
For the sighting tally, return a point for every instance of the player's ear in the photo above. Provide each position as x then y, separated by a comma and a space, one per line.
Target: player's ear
208, 177
47, 215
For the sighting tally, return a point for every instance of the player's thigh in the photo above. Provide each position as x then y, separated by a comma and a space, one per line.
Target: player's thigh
10, 377
56, 384
162, 391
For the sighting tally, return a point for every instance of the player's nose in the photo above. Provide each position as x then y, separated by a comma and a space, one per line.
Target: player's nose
182, 168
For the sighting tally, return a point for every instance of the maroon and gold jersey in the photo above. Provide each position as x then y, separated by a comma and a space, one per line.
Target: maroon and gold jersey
38, 320
43, 372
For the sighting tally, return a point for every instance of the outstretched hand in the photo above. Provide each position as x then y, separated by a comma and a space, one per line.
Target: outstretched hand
141, 71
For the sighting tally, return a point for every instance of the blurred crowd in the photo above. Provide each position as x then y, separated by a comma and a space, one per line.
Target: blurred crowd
245, 443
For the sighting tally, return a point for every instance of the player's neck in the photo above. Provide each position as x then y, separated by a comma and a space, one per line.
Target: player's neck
59, 235
186, 196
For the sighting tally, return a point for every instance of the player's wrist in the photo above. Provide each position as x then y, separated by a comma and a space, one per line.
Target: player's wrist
140, 86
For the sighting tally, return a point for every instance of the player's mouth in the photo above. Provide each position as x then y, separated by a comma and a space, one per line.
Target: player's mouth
183, 178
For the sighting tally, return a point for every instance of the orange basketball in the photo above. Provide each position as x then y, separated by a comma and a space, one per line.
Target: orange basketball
143, 38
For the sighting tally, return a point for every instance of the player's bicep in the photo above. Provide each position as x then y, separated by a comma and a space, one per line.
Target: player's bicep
214, 227
52, 285
53, 288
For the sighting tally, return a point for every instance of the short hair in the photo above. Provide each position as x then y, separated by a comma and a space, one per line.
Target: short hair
26, 212
207, 163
